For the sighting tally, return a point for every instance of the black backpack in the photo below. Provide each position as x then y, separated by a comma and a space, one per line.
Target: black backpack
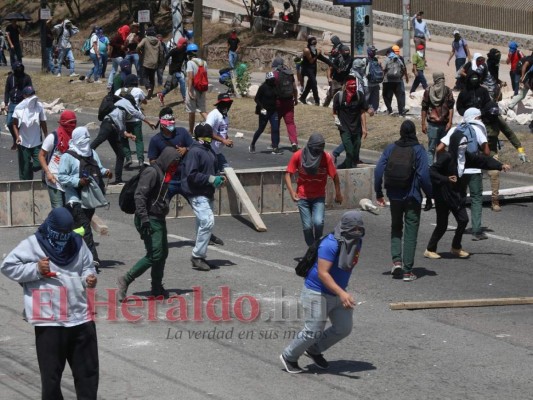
310, 257
89, 168
400, 168
126, 199
285, 83
375, 72
108, 103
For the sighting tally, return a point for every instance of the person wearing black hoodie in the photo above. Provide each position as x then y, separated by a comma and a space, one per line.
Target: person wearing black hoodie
449, 189
151, 208
15, 83
405, 202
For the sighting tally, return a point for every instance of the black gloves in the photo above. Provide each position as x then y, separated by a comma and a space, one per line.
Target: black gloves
146, 229
429, 204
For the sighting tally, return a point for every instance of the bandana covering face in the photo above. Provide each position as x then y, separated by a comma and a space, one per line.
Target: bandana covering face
351, 89
312, 153
81, 142
349, 233
67, 124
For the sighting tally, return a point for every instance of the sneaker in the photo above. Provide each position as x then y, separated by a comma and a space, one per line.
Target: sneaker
479, 236
302, 100
159, 290
318, 359
73, 75
277, 151
117, 182
294, 147
270, 147
431, 254
291, 367
127, 163
215, 240
89, 80
200, 264
251, 149
460, 253
161, 98
409, 277
59, 75
122, 288
97, 81
396, 270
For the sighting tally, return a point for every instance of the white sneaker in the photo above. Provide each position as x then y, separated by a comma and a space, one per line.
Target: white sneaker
59, 75
74, 74
97, 81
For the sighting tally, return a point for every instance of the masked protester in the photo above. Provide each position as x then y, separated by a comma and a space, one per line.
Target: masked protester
15, 83
309, 70
462, 53
313, 166
52, 149
199, 180
325, 296
64, 32
151, 209
449, 189
177, 57
265, 108
118, 46
50, 263
218, 120
233, 48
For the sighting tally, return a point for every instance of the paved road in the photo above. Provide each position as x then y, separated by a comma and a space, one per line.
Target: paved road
482, 353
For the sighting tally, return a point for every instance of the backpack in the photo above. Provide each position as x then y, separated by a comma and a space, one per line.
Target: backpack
494, 55
394, 69
126, 199
310, 257
375, 72
86, 47
400, 168
470, 135
107, 105
200, 81
50, 154
285, 84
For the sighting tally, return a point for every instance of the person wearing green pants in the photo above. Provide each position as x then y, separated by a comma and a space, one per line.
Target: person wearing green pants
404, 182
151, 208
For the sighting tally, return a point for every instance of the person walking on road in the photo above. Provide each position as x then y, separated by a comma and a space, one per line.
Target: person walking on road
65, 31
403, 166
175, 77
513, 57
462, 53
152, 55
313, 166
395, 71
325, 295
309, 70
195, 100
15, 83
419, 65
421, 30
13, 40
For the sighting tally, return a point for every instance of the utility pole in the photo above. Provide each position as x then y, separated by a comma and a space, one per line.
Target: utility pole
197, 26
369, 27
44, 53
406, 10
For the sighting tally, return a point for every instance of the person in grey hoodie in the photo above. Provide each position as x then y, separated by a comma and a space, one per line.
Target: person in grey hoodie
55, 268
151, 208
64, 32
153, 56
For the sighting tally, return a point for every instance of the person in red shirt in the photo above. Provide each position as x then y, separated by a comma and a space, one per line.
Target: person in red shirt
313, 166
513, 57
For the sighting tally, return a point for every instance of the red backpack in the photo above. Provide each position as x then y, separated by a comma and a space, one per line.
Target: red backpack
200, 81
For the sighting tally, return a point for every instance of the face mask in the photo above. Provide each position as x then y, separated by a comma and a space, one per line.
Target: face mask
420, 53
224, 110
170, 128
419, 19
316, 151
355, 234
58, 240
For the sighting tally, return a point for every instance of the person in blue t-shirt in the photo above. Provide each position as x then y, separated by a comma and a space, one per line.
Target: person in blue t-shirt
324, 294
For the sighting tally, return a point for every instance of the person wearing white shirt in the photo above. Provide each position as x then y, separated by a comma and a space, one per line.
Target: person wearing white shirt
219, 121
94, 54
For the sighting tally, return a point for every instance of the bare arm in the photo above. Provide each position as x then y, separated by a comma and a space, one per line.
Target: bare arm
323, 268
288, 184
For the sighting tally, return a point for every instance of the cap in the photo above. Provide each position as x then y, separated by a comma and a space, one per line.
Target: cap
182, 41
396, 49
28, 91
203, 129
125, 64
277, 62
456, 32
224, 98
420, 47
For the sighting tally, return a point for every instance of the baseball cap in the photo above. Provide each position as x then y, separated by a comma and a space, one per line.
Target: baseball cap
224, 98
28, 91
203, 129
456, 32
277, 62
420, 47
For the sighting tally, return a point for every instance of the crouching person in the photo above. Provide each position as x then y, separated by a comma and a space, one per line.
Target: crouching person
324, 294
151, 208
51, 264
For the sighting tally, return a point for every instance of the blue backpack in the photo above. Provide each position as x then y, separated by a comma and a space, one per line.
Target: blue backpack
375, 72
470, 134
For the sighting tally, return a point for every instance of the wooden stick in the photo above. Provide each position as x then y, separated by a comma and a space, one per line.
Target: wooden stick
419, 305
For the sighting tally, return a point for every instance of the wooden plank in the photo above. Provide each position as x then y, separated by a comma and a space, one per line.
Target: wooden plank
245, 200
420, 305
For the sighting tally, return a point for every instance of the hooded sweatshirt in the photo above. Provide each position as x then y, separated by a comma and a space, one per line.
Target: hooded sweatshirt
150, 195
198, 165
152, 52
29, 114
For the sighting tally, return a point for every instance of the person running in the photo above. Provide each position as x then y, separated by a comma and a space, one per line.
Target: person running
15, 83
462, 53
449, 189
325, 295
65, 31
195, 100
175, 77
152, 56
265, 108
13, 40
117, 53
29, 121
151, 209
313, 166
287, 98
419, 65
55, 262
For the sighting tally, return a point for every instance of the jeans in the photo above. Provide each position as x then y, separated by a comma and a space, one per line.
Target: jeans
312, 216
79, 346
70, 57
435, 134
136, 129
172, 81
82, 217
103, 65
405, 220
156, 245
318, 307
271, 117
398, 90
96, 69
475, 186
515, 81
57, 197
28, 158
109, 132
133, 58
459, 62
443, 210
115, 66
420, 79
50, 59
338, 150
205, 222
520, 95
232, 58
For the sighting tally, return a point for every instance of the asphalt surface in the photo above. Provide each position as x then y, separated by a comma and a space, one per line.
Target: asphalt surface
470, 353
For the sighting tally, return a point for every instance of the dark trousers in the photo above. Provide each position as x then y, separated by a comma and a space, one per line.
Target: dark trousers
82, 217
420, 79
394, 89
271, 117
352, 146
110, 133
311, 85
459, 62
149, 78
79, 346
405, 220
373, 97
461, 216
